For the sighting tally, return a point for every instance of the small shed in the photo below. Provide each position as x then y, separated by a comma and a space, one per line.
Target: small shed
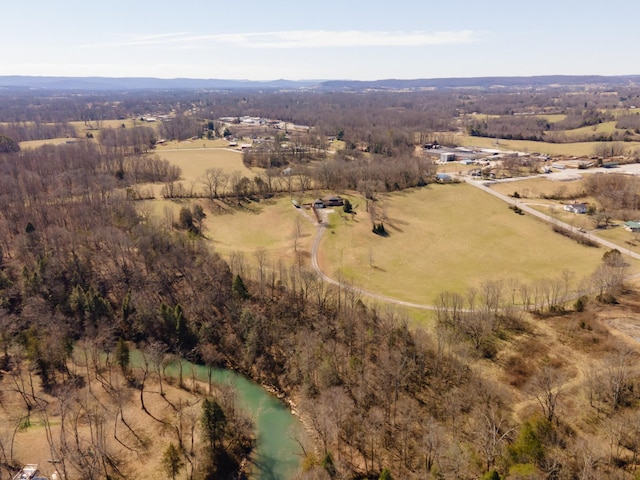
447, 157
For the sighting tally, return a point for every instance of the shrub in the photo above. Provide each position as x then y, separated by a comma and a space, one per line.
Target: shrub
516, 209
8, 145
492, 475
378, 229
581, 303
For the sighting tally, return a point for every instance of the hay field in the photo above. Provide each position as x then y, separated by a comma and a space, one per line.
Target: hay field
448, 237
194, 161
539, 187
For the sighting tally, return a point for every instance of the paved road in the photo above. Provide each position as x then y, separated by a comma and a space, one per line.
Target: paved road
547, 218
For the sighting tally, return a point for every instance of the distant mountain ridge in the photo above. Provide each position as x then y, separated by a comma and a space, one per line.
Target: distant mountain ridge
150, 83
144, 83
485, 82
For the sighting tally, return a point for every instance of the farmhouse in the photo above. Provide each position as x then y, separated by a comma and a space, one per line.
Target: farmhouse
576, 208
335, 201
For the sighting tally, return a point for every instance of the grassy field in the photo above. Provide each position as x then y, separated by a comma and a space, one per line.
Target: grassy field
552, 117
577, 148
449, 237
441, 237
273, 225
82, 127
29, 144
270, 225
625, 239
195, 160
539, 187
605, 128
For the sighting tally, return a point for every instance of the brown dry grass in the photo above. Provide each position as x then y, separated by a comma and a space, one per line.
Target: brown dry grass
31, 445
540, 187
446, 238
194, 160
577, 344
38, 143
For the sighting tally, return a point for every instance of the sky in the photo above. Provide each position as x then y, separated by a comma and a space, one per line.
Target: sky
332, 39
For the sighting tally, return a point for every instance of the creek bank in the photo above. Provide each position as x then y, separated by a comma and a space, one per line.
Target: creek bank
279, 431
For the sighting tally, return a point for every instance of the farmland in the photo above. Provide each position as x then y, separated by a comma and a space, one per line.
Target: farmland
431, 231
403, 350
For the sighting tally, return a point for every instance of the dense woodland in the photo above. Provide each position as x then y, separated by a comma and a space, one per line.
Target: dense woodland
81, 265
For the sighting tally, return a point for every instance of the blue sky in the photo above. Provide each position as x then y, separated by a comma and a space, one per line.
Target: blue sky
361, 40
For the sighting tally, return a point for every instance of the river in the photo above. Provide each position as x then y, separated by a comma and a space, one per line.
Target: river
278, 454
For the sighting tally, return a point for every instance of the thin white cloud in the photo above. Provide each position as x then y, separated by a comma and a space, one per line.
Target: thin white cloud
350, 38
159, 39
303, 39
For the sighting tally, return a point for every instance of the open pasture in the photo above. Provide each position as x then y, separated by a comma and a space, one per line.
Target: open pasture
95, 125
29, 144
575, 148
551, 117
540, 187
194, 161
628, 241
605, 128
274, 226
448, 238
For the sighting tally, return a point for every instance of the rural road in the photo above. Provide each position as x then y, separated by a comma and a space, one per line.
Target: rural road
322, 227
547, 218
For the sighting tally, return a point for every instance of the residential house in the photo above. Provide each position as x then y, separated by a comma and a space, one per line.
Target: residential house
335, 201
577, 208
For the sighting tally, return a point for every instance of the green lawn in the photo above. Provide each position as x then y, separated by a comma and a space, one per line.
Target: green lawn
448, 237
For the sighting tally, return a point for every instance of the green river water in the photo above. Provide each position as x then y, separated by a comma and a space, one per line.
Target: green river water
278, 454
